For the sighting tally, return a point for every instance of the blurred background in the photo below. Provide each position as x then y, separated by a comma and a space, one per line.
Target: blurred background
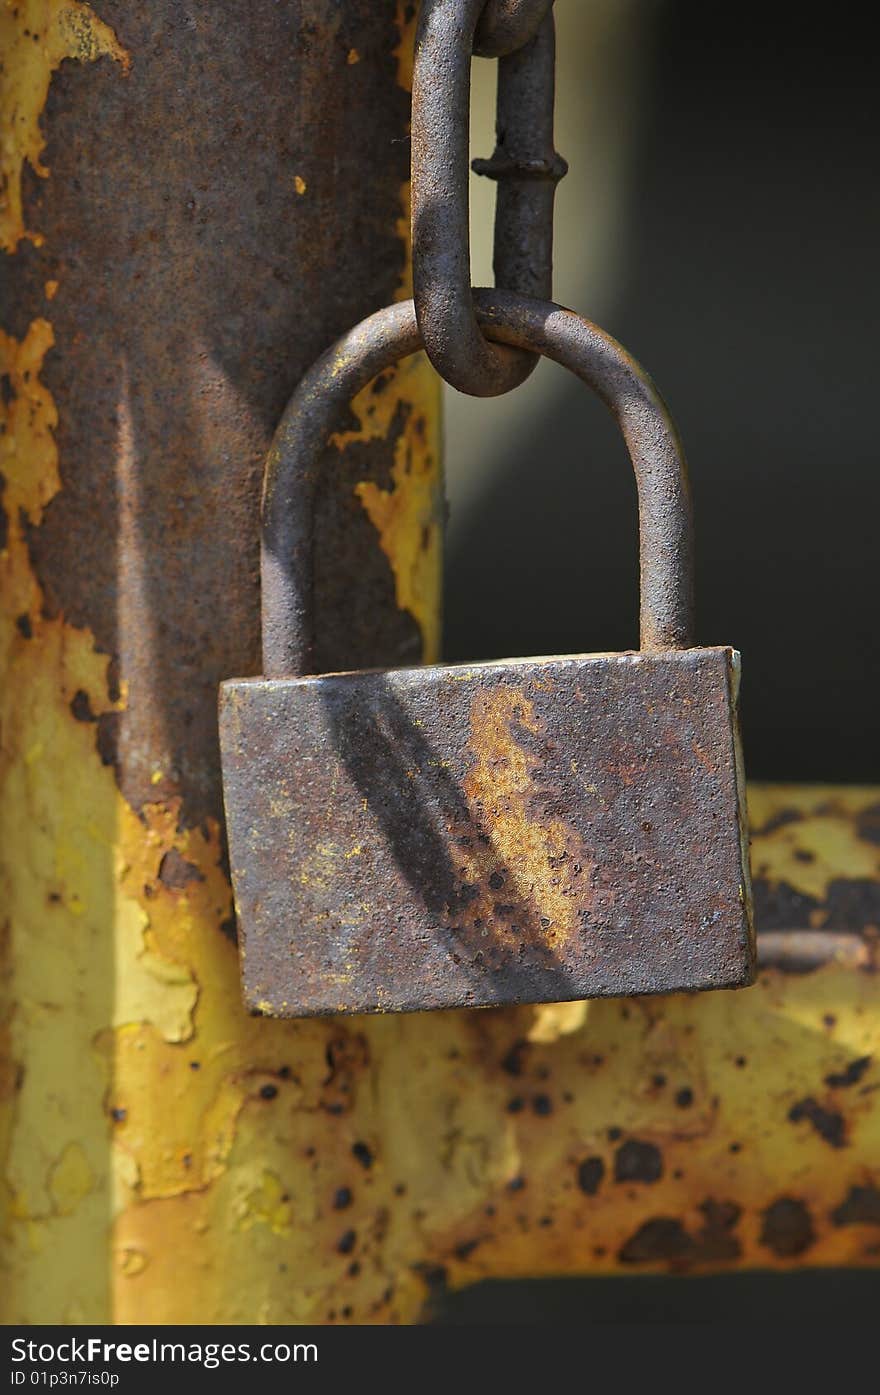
720, 218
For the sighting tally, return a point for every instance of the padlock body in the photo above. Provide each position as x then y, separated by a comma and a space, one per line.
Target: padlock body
475, 835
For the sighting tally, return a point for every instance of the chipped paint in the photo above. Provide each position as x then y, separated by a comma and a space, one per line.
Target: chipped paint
166, 1158
135, 1089
406, 20
811, 852
407, 514
36, 36
54, 889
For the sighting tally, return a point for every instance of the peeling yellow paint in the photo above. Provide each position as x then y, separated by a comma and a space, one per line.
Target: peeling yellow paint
36, 36
167, 1158
813, 851
132, 1262
406, 19
217, 1144
406, 515
264, 1202
555, 1020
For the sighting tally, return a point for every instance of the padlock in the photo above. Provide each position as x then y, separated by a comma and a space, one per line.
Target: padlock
465, 835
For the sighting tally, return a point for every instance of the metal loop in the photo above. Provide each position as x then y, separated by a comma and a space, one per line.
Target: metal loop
294, 463
527, 167
524, 162
505, 25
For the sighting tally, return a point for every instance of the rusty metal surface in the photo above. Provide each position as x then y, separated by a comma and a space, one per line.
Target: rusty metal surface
294, 466
195, 207
448, 836
537, 831
526, 166
505, 25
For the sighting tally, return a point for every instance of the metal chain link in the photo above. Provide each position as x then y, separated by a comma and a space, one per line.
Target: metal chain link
525, 165
506, 25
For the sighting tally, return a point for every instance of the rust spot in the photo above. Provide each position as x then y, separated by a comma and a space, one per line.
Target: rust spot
684, 1097
466, 1248
513, 1062
589, 1175
852, 903
715, 1242
348, 1055
542, 1104
660, 1239
363, 1154
665, 1239
868, 824
861, 1206
342, 1198
851, 1075
828, 1123
635, 1161
81, 707
777, 820
176, 872
787, 1227
779, 906
346, 1242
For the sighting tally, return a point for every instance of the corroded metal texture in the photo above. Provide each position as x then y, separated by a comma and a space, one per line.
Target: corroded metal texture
373, 868
506, 25
178, 181
537, 831
527, 167
294, 466
185, 294
166, 1157
354, 1168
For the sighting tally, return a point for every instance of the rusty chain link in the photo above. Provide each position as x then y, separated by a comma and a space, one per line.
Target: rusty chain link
525, 164
506, 25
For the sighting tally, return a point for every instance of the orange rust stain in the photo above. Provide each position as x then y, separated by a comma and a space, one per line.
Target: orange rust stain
527, 847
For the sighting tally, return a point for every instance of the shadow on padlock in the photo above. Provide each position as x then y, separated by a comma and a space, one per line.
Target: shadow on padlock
527, 831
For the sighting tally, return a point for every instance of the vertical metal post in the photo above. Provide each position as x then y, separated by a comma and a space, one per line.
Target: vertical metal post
198, 199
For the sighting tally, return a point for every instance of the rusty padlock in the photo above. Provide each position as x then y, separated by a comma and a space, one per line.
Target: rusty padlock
469, 835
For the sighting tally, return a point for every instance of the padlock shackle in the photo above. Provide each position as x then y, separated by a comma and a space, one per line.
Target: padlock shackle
313, 412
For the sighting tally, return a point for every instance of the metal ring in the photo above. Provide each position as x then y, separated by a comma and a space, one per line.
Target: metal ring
294, 463
440, 206
505, 25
